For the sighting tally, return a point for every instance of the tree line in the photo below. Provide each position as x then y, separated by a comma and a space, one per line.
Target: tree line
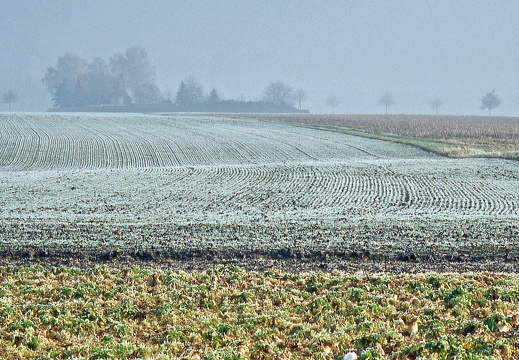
488, 102
277, 97
123, 79
128, 81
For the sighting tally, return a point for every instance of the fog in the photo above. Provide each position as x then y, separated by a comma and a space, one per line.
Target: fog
354, 50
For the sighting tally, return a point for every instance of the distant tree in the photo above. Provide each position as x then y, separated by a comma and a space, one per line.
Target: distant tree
278, 93
98, 66
190, 93
137, 70
332, 102
196, 90
97, 86
182, 98
436, 103
148, 94
386, 100
9, 97
300, 96
102, 89
62, 80
490, 101
167, 95
214, 97
118, 64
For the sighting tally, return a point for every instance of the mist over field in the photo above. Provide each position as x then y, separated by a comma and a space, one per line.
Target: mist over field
354, 50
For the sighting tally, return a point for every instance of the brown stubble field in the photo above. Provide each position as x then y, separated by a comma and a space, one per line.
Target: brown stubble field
456, 136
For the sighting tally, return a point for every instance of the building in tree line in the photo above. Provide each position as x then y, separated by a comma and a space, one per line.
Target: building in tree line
102, 89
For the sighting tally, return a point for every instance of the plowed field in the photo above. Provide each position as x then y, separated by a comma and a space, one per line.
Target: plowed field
77, 189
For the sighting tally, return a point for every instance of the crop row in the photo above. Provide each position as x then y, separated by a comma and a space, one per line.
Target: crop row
51, 141
471, 187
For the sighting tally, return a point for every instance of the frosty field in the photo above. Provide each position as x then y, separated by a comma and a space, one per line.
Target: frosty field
200, 190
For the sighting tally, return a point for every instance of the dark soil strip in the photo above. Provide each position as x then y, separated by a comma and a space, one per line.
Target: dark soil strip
281, 259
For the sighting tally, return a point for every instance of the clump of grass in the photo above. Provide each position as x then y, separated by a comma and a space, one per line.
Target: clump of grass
230, 313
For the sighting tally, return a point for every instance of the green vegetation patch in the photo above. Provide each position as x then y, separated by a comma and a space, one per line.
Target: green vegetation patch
231, 313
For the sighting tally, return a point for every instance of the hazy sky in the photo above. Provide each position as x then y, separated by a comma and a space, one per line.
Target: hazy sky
354, 49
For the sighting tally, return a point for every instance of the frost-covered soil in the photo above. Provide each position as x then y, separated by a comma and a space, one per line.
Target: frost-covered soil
193, 191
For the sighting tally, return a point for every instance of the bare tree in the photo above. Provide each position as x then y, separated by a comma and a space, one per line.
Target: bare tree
137, 70
195, 88
386, 100
436, 103
333, 102
300, 97
278, 93
490, 101
10, 97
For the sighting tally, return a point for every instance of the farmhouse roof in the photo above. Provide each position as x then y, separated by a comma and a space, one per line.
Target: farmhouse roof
103, 88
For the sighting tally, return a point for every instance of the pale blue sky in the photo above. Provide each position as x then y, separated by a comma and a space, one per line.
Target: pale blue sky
353, 49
